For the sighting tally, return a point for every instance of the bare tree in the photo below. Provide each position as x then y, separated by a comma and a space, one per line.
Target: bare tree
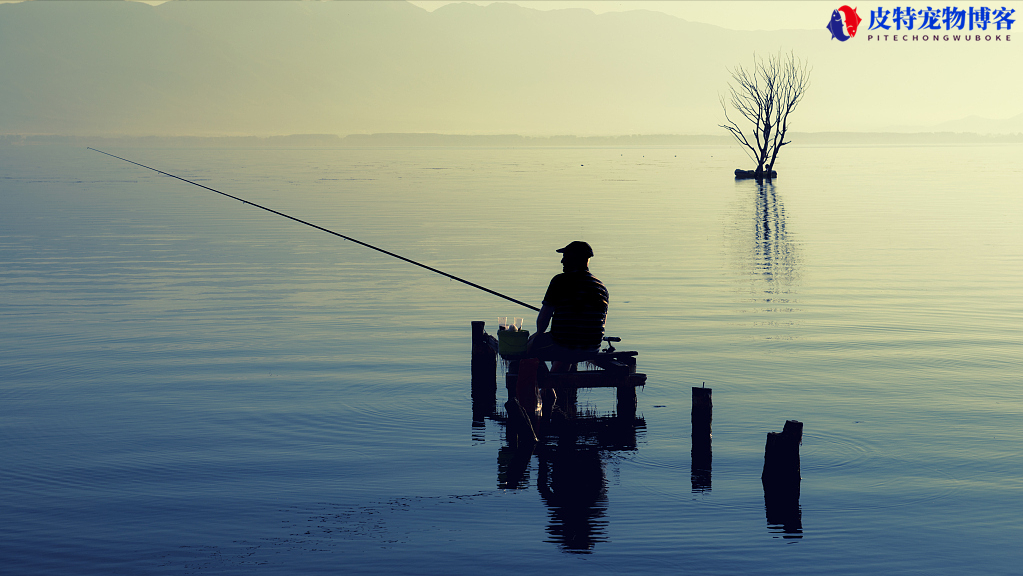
765, 96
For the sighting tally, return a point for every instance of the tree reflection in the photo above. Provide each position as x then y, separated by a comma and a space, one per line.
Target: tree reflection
774, 255
763, 248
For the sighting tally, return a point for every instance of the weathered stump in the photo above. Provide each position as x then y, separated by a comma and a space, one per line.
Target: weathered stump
781, 476
702, 415
781, 456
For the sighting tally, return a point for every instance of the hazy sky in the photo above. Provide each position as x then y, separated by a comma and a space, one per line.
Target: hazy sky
740, 15
745, 15
641, 73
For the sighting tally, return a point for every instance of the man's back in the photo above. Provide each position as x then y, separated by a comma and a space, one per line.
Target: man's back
580, 303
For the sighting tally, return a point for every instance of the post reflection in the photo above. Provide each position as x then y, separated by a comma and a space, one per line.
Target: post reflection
571, 476
784, 514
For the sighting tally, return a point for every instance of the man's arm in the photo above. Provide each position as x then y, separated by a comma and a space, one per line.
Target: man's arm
543, 319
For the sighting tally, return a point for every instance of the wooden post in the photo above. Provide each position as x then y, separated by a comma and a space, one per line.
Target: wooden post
484, 373
781, 476
627, 401
703, 409
702, 415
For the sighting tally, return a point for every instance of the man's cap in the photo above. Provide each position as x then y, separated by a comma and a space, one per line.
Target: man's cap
577, 248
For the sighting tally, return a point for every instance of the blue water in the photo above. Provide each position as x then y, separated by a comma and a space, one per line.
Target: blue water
190, 385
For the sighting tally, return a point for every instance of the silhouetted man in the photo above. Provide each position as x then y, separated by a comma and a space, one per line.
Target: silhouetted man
575, 308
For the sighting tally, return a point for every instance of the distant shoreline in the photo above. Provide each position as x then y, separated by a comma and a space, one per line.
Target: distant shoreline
416, 140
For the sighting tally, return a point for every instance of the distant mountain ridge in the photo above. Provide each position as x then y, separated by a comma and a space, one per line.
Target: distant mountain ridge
813, 139
979, 125
278, 68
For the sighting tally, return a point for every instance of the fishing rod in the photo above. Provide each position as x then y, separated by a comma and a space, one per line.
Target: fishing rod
349, 238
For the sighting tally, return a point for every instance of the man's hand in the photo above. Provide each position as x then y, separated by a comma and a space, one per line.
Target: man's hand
543, 319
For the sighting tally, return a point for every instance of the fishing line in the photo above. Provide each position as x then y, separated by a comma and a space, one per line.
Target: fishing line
349, 238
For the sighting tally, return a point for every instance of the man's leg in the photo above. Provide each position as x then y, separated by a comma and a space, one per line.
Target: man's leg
542, 346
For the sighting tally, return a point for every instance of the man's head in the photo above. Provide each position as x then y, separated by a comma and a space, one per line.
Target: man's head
575, 256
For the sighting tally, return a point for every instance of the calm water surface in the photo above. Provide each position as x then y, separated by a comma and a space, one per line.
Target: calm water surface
190, 385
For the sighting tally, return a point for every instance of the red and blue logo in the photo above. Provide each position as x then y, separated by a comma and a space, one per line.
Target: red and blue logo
844, 23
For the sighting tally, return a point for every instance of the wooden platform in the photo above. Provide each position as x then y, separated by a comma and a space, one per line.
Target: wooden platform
532, 401
614, 369
584, 379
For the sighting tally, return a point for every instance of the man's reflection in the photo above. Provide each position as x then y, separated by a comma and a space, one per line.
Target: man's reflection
571, 478
572, 483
